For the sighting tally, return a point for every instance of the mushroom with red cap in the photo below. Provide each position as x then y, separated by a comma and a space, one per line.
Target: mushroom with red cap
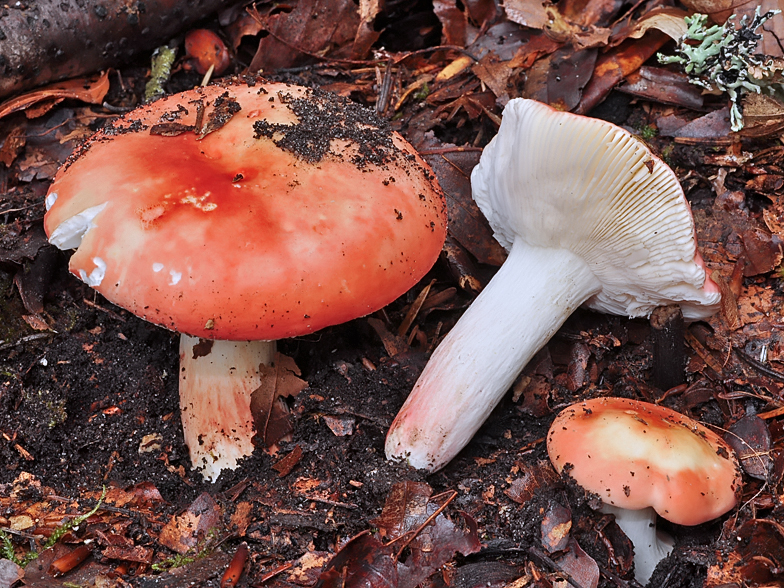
642, 459
242, 213
590, 217
205, 50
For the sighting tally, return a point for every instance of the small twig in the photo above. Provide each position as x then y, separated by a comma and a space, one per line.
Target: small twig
10, 210
384, 93
27, 339
760, 367
437, 48
443, 150
102, 309
347, 505
274, 572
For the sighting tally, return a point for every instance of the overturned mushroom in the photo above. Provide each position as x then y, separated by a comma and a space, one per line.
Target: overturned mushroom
245, 212
590, 217
642, 459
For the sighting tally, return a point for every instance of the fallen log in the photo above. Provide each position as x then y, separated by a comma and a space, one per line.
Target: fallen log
43, 41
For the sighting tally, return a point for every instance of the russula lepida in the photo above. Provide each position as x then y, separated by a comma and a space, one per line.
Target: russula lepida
242, 213
642, 459
590, 217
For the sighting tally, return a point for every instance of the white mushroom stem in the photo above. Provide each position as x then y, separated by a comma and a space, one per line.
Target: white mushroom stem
515, 315
650, 546
217, 379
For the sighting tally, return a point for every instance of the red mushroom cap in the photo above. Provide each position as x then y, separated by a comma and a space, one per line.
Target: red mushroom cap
204, 49
636, 455
248, 211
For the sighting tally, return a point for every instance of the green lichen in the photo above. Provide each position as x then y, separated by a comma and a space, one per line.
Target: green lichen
722, 58
160, 72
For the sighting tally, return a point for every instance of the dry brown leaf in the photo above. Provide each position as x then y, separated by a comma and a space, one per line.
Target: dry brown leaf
92, 90
763, 115
529, 13
393, 344
754, 304
668, 20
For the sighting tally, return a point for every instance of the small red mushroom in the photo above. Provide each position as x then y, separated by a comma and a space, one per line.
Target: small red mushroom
205, 49
644, 459
242, 213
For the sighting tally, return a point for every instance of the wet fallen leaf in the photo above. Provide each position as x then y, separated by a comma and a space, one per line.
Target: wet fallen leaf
763, 115
664, 86
310, 28
366, 33
454, 22
556, 525
495, 74
409, 508
36, 322
341, 426
10, 573
612, 67
363, 561
582, 33
270, 412
750, 439
467, 224
579, 565
289, 462
184, 533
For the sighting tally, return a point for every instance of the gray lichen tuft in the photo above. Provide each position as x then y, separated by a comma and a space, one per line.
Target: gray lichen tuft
722, 58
